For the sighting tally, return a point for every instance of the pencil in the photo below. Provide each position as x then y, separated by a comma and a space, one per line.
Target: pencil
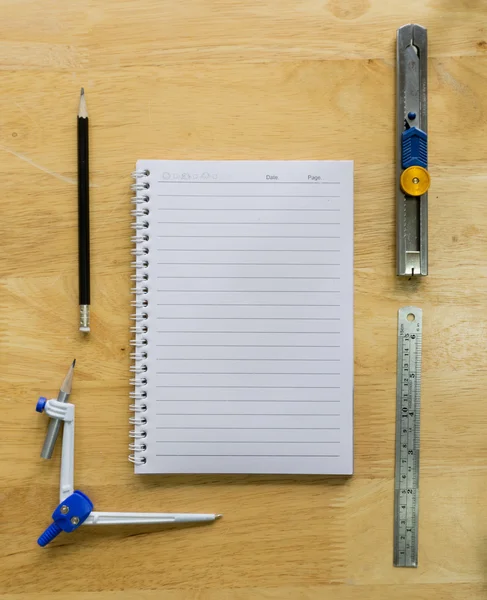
55, 424
83, 216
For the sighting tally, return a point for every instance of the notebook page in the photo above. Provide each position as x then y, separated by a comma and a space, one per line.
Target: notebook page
250, 317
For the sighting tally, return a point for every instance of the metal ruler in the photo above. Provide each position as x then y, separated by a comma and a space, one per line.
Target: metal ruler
413, 179
408, 400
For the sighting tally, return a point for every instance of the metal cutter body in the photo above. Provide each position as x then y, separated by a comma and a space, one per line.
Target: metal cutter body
412, 176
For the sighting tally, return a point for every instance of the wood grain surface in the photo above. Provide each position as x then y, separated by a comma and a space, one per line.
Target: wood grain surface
221, 79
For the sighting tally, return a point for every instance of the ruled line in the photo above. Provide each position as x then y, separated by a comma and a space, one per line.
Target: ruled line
239, 332
258, 359
238, 250
286, 237
245, 196
254, 387
240, 223
256, 455
206, 414
258, 264
248, 318
242, 346
320, 374
257, 401
242, 442
237, 277
299, 291
245, 304
270, 209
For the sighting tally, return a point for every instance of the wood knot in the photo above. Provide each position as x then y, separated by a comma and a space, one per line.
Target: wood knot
352, 9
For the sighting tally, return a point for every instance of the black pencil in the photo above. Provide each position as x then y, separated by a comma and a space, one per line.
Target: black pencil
83, 215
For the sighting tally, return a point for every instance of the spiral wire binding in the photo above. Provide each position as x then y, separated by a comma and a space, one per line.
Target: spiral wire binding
140, 263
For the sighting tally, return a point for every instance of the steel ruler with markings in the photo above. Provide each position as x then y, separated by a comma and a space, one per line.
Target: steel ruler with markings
413, 179
408, 401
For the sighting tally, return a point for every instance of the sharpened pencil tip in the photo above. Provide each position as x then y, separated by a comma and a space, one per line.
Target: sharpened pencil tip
218, 516
83, 91
68, 380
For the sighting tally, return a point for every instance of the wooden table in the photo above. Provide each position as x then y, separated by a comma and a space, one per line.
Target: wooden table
217, 79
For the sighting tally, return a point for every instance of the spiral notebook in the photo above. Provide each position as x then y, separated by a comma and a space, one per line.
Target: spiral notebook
243, 325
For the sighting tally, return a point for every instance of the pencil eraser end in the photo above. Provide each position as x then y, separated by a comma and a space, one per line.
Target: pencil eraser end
84, 329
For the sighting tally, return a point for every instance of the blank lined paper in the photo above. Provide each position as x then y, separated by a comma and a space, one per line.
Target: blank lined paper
249, 317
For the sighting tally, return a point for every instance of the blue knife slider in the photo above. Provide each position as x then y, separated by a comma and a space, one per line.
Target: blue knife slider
414, 148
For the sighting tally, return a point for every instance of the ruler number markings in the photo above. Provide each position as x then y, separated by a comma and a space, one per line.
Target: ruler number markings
407, 437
